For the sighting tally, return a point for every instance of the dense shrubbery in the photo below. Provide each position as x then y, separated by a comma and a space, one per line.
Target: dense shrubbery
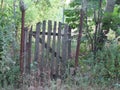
107, 63
8, 69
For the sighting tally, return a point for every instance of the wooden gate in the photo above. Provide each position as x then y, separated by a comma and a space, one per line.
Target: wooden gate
52, 43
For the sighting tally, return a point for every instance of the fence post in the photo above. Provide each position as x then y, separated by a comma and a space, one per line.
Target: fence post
79, 38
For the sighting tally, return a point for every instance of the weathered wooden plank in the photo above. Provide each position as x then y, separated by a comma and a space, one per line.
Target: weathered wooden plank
29, 50
43, 43
59, 41
58, 49
64, 45
48, 39
36, 54
69, 42
53, 48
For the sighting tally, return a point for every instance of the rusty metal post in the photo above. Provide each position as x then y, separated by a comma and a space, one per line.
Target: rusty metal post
79, 37
22, 8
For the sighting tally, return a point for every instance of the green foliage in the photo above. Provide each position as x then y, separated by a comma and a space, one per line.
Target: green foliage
42, 10
112, 20
8, 69
73, 14
72, 18
107, 64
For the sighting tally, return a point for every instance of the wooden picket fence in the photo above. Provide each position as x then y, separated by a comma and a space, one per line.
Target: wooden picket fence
52, 47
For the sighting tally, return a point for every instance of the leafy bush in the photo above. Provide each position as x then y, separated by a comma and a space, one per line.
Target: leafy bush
107, 64
9, 68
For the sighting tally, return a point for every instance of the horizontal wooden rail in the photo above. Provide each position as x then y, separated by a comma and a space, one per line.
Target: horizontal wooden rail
46, 33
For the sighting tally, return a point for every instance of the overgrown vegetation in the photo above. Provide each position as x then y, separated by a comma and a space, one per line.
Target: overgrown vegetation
99, 59
101, 52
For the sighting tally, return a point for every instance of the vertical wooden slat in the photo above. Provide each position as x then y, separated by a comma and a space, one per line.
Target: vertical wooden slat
48, 39
59, 41
66, 41
36, 56
43, 43
58, 47
69, 42
25, 48
29, 50
64, 46
53, 48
